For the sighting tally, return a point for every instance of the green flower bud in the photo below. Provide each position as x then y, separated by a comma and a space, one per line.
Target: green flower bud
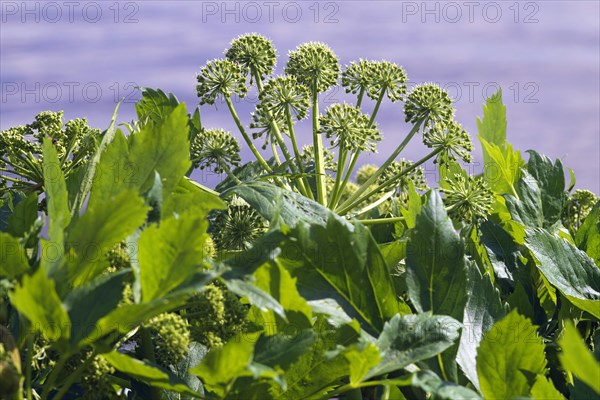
365, 172
469, 199
220, 77
390, 78
283, 93
452, 138
262, 123
428, 101
171, 337
118, 257
346, 125
358, 76
216, 315
239, 226
578, 207
49, 124
254, 53
214, 147
314, 65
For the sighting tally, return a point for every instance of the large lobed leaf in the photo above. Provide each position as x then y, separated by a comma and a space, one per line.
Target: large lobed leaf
567, 268
508, 353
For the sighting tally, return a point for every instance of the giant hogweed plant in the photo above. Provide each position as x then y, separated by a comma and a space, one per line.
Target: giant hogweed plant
301, 284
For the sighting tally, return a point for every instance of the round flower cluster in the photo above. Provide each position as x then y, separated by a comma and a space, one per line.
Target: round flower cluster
428, 102
452, 140
215, 147
347, 127
238, 227
254, 53
170, 334
314, 65
220, 78
416, 176
468, 199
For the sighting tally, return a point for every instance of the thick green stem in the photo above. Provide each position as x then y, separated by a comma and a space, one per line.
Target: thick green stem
249, 142
376, 109
373, 178
147, 351
390, 181
229, 172
376, 221
275, 153
318, 148
288, 117
359, 100
337, 190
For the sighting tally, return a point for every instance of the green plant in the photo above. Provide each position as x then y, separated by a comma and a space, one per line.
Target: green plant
290, 281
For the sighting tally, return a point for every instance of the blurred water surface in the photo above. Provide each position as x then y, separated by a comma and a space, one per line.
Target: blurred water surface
83, 56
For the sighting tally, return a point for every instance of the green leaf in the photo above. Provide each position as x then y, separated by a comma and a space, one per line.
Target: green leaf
283, 349
587, 237
92, 165
413, 208
222, 366
88, 303
98, 230
277, 281
492, 126
527, 208
507, 352
161, 147
551, 180
361, 359
36, 299
435, 269
56, 194
577, 359
342, 262
147, 372
13, 260
155, 105
169, 253
255, 295
503, 168
189, 196
411, 338
270, 200
543, 388
24, 216
196, 353
439, 389
483, 309
567, 268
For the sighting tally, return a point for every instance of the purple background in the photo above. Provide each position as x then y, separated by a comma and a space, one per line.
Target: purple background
544, 54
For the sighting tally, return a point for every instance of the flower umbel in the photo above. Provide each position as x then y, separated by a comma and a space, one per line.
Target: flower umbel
452, 140
239, 226
255, 53
428, 101
358, 76
346, 126
220, 77
314, 65
578, 208
468, 199
215, 147
307, 157
262, 123
285, 93
388, 77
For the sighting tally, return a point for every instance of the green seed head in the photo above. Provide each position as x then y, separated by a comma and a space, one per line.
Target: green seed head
264, 124
451, 138
416, 176
170, 336
358, 76
314, 65
389, 78
469, 199
285, 93
220, 78
346, 126
578, 207
215, 147
428, 101
238, 227
254, 53
308, 157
